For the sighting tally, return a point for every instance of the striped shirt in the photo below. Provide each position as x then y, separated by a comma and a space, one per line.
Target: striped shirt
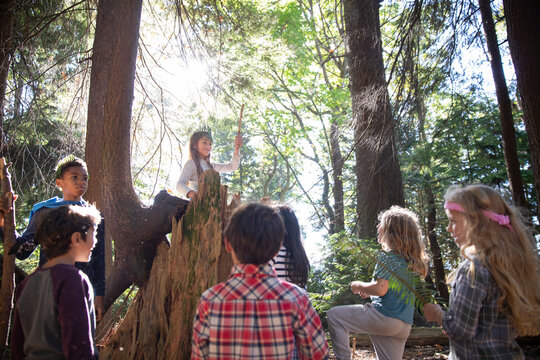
476, 328
254, 315
280, 263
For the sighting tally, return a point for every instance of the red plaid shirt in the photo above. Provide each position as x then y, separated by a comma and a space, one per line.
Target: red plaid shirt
254, 315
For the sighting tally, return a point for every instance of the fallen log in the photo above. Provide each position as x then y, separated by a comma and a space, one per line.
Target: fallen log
418, 336
433, 336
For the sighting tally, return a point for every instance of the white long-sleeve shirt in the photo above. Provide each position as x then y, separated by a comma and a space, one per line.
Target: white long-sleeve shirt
190, 181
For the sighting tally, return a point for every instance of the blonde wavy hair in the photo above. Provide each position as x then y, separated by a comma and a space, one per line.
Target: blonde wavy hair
508, 253
399, 231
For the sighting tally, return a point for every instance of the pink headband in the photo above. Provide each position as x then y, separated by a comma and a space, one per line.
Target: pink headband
502, 220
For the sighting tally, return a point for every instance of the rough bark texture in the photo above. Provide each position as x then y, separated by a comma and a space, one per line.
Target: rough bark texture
102, 50
523, 29
135, 229
505, 106
8, 268
7, 10
99, 80
159, 322
379, 183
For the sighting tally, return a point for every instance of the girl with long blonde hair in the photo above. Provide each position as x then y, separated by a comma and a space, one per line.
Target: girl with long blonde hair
388, 318
496, 290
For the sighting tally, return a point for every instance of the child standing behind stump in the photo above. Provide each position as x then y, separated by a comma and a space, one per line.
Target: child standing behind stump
72, 179
54, 313
291, 263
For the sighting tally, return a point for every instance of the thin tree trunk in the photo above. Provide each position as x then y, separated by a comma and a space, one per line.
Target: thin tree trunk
159, 323
523, 26
505, 107
379, 183
337, 176
8, 266
438, 265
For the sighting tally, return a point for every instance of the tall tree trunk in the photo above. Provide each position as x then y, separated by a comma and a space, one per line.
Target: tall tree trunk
135, 229
8, 264
159, 322
379, 183
7, 11
99, 81
523, 26
99, 85
337, 176
505, 107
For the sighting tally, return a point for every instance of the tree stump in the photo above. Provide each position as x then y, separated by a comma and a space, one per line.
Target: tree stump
159, 322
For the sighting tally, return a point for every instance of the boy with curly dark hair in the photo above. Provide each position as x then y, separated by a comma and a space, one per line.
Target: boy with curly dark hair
54, 312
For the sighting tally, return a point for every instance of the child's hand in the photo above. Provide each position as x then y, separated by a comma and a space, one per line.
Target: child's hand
100, 309
433, 312
6, 205
238, 141
357, 288
191, 194
363, 294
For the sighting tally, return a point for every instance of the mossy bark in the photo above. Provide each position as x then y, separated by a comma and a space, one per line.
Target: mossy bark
159, 322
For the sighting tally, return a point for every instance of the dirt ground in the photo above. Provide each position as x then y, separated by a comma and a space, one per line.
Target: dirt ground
431, 352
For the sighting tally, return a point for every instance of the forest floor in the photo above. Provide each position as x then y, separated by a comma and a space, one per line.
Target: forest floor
430, 352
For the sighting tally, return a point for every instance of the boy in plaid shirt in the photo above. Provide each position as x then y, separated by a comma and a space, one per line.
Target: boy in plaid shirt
254, 315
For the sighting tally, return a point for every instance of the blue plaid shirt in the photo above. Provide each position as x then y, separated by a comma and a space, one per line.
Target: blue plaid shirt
476, 328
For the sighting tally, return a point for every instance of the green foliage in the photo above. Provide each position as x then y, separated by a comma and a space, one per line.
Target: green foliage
38, 126
329, 284
121, 305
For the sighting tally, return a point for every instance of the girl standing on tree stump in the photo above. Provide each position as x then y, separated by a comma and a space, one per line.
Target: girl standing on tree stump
496, 290
200, 146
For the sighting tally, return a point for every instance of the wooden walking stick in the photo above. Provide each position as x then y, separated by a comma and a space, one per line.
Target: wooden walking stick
8, 266
240, 133
240, 120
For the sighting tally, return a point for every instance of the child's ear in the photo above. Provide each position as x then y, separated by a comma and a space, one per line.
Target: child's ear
276, 254
228, 246
59, 183
76, 238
